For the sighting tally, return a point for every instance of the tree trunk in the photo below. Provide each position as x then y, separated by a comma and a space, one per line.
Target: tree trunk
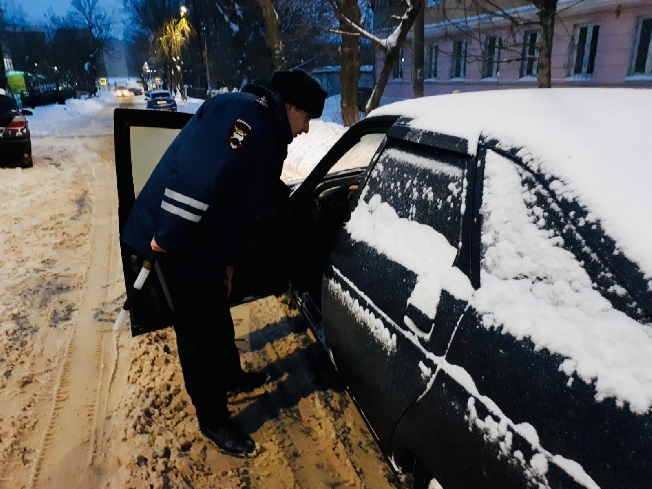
392, 51
349, 61
273, 37
417, 56
547, 12
388, 65
201, 43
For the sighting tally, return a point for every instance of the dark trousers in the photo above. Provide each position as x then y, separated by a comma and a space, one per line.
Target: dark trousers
205, 339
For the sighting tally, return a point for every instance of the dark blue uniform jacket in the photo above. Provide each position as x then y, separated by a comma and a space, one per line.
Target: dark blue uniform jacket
210, 183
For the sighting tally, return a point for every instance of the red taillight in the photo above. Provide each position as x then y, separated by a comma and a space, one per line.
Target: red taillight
16, 124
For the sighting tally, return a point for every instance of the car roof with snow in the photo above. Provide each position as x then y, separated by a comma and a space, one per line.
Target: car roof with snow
592, 139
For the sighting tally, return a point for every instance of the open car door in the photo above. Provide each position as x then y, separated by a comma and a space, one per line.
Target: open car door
141, 138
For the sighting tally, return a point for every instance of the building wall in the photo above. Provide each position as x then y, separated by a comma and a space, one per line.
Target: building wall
618, 22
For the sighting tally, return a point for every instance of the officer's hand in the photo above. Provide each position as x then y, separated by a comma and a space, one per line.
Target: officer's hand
156, 247
228, 281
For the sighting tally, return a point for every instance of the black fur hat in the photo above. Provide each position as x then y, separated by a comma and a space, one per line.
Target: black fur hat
300, 88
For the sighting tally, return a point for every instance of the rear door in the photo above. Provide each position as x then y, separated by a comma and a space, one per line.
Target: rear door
141, 138
530, 390
394, 264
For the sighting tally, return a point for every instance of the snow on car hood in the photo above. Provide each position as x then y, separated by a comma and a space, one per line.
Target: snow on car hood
595, 140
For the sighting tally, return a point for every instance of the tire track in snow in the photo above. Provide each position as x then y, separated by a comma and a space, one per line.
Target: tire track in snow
71, 440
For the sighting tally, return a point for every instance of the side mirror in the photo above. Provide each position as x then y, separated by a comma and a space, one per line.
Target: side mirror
26, 112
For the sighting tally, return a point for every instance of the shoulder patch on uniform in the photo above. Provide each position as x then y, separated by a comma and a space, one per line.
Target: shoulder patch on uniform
238, 132
263, 101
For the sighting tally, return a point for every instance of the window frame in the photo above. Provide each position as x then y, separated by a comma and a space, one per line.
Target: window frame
530, 55
589, 51
636, 48
458, 59
432, 62
491, 61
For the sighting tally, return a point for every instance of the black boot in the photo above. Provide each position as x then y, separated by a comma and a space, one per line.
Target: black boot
230, 439
248, 381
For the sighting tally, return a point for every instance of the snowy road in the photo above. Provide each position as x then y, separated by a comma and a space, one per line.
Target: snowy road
82, 407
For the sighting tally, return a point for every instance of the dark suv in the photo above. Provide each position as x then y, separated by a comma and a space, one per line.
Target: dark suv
486, 292
15, 142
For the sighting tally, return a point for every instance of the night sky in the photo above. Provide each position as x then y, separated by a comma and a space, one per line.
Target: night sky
37, 9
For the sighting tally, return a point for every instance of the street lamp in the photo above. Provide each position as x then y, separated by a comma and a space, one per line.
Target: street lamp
183, 10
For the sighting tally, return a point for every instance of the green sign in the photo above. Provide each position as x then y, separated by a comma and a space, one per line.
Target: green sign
16, 81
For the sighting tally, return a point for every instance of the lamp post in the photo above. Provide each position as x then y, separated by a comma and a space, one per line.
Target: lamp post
56, 78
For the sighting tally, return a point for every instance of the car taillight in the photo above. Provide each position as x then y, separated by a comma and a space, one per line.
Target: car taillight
16, 125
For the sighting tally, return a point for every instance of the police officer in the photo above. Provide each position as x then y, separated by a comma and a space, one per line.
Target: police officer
205, 190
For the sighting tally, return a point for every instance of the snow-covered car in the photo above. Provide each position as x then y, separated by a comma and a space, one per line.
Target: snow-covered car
161, 100
15, 140
485, 292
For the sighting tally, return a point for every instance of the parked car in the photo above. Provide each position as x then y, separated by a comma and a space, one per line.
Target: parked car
485, 293
121, 91
15, 140
161, 100
136, 90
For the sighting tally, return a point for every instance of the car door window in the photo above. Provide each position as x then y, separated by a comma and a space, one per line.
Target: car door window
406, 228
360, 154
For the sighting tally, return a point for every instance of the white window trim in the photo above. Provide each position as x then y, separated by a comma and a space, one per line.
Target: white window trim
495, 71
432, 49
535, 66
465, 50
587, 52
637, 41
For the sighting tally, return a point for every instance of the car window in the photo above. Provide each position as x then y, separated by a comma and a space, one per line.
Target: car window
360, 154
541, 243
422, 185
161, 95
404, 233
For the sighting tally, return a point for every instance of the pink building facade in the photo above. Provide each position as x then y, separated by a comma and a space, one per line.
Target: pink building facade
597, 43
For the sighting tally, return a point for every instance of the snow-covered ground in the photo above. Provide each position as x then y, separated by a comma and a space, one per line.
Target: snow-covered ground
303, 154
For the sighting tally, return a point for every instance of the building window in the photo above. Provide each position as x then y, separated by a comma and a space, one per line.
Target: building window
398, 66
584, 45
458, 59
432, 3
491, 57
642, 62
530, 54
432, 59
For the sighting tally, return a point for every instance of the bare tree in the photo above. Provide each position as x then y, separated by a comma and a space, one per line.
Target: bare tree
98, 23
96, 20
273, 34
390, 46
348, 13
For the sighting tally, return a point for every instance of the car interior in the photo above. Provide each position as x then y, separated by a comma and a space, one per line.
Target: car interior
320, 206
